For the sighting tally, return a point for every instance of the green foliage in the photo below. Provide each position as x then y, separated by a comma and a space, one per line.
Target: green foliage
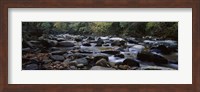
133, 29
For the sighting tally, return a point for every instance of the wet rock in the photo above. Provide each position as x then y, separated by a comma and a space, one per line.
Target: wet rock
102, 62
60, 39
98, 57
25, 50
101, 68
124, 67
66, 44
132, 40
131, 62
90, 38
73, 68
112, 52
136, 48
47, 61
52, 42
86, 44
157, 59
58, 52
78, 39
162, 48
31, 67
118, 43
80, 65
57, 65
119, 55
57, 57
99, 42
74, 55
83, 61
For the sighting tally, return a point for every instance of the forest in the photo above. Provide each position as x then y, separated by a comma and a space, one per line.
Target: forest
164, 30
99, 45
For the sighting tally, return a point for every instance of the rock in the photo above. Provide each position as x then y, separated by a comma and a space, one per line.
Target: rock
163, 49
57, 57
119, 55
60, 39
98, 57
78, 39
132, 40
123, 67
26, 50
103, 62
99, 42
112, 52
31, 67
74, 55
47, 61
118, 43
101, 68
157, 59
52, 43
58, 52
81, 61
73, 68
66, 44
136, 48
131, 62
90, 38
86, 44
80, 65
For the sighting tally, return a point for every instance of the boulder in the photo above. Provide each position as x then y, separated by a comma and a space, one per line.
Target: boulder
31, 67
102, 62
118, 43
99, 42
57, 57
101, 68
98, 57
119, 55
83, 61
150, 57
52, 42
131, 62
58, 52
112, 52
66, 44
86, 44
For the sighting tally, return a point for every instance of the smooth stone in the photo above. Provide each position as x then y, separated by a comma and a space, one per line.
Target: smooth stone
119, 55
66, 43
31, 67
52, 42
101, 68
102, 62
150, 57
80, 65
131, 62
58, 52
83, 61
112, 52
98, 57
57, 57
123, 67
86, 44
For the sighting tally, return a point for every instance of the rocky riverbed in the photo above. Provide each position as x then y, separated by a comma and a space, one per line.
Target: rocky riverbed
75, 52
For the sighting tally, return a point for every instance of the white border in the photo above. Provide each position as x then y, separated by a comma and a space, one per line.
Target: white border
181, 76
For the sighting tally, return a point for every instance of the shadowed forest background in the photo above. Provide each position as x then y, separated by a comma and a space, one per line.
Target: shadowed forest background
99, 45
164, 30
